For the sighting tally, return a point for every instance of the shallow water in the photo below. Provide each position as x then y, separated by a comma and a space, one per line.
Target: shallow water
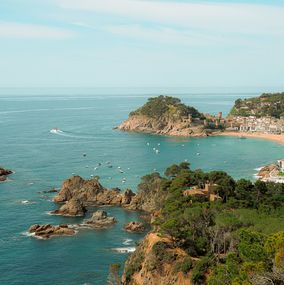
42, 160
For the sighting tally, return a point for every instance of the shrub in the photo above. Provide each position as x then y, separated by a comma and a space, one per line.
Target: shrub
184, 266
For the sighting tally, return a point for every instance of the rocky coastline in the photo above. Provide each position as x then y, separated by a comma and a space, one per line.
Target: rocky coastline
76, 198
144, 124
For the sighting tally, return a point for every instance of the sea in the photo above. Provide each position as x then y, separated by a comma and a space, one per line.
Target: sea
42, 160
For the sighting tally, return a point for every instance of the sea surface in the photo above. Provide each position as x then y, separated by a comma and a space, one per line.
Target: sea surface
42, 160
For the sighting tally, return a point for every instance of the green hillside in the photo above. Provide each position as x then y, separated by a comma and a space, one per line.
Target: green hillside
264, 105
166, 106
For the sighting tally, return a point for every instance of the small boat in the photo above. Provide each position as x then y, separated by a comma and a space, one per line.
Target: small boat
55, 131
197, 153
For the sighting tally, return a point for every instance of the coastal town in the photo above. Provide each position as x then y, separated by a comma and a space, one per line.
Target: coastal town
265, 124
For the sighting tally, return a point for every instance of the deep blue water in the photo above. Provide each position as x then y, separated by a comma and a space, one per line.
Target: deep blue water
42, 160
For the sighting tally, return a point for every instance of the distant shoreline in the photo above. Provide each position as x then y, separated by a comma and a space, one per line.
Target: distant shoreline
256, 135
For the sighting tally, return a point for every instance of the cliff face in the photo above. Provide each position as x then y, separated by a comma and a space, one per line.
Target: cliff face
163, 126
155, 261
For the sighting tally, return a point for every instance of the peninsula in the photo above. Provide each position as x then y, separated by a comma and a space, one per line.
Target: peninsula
210, 229
165, 115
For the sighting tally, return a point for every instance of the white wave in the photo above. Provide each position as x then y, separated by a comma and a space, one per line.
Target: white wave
28, 234
127, 241
124, 249
27, 202
259, 168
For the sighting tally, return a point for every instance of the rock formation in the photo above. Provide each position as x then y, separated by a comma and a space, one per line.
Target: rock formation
144, 124
134, 227
48, 231
155, 261
73, 207
91, 192
100, 220
265, 171
4, 173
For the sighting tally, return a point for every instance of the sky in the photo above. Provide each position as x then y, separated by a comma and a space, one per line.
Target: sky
141, 43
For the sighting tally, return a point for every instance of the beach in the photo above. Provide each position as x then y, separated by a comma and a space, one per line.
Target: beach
255, 135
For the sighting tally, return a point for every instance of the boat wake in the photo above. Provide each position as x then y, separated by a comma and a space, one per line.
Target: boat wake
59, 132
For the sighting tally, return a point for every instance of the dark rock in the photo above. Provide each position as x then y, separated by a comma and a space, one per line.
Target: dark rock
100, 219
47, 231
134, 227
74, 207
4, 173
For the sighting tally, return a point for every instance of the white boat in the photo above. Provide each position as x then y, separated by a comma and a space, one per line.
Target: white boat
55, 131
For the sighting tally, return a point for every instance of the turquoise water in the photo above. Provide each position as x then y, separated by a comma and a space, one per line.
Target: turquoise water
42, 160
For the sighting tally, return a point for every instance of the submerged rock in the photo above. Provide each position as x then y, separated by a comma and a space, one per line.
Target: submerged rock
74, 207
100, 219
134, 227
47, 231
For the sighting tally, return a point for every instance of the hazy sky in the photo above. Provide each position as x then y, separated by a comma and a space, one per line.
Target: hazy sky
141, 43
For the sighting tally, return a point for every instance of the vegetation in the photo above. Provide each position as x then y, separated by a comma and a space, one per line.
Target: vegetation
264, 105
114, 277
237, 240
166, 106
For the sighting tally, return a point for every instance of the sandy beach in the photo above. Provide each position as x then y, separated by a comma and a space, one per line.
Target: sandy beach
256, 135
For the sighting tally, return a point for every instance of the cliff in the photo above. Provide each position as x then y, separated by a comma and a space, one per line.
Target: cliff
164, 115
156, 261
264, 105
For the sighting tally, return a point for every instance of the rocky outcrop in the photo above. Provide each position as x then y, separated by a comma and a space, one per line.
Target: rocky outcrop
91, 192
73, 207
156, 261
4, 173
48, 231
162, 126
100, 220
134, 227
266, 170
150, 195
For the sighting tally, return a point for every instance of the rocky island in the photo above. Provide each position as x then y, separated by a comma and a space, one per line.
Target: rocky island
165, 115
49, 231
4, 173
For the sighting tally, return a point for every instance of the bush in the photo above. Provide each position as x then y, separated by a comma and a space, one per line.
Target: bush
162, 253
135, 265
199, 271
184, 266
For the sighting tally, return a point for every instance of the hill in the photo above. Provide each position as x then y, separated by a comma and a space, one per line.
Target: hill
167, 115
264, 105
